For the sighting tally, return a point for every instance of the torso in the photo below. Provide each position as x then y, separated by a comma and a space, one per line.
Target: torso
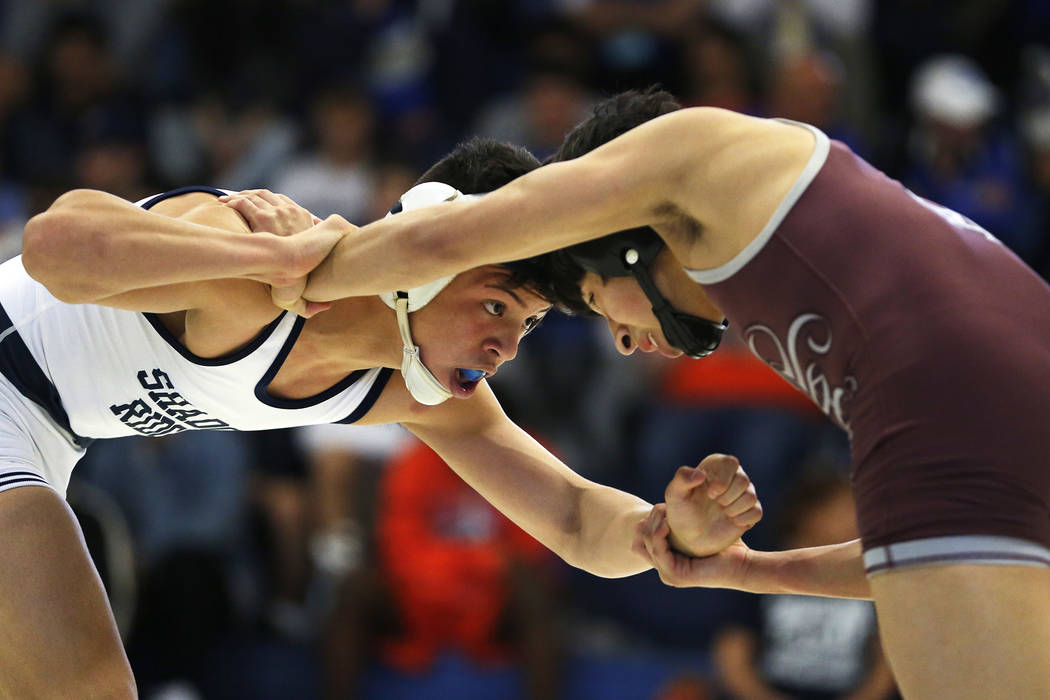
914, 330
101, 371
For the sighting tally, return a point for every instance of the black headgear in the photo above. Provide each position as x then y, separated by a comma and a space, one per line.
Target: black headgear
630, 253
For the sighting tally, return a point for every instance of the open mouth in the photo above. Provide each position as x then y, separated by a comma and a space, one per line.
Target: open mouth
467, 379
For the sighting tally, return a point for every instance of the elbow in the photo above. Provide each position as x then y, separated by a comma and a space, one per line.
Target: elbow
39, 239
51, 245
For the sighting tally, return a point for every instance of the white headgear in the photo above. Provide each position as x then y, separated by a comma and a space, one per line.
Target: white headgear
422, 384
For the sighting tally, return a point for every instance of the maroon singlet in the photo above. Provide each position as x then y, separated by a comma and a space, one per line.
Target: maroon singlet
927, 340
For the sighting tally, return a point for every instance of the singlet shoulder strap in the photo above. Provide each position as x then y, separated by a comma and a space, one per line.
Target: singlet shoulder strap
816, 162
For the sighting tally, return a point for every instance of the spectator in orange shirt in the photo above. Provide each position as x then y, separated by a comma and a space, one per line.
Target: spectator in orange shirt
463, 579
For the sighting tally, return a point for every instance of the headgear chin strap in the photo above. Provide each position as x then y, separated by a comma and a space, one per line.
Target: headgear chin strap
422, 384
630, 253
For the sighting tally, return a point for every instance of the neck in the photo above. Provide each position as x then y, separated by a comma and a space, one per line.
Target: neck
355, 333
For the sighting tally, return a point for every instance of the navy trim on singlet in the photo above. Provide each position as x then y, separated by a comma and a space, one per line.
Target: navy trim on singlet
370, 398
11, 478
269, 399
21, 369
167, 335
226, 359
182, 190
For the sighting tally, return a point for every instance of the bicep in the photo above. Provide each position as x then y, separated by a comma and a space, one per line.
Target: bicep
202, 209
677, 163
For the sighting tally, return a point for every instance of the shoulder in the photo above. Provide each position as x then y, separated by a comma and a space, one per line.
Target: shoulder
730, 174
201, 208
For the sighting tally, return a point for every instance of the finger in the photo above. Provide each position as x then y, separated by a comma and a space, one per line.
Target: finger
746, 500
638, 547
313, 308
737, 487
288, 201
749, 517
243, 194
649, 523
245, 205
638, 544
663, 558
288, 296
685, 480
271, 198
720, 470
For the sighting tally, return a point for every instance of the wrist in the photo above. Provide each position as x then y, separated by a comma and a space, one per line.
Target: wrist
272, 259
764, 572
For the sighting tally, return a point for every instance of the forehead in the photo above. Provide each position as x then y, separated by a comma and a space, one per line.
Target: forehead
489, 278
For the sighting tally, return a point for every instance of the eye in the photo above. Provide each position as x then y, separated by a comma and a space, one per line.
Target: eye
496, 308
531, 322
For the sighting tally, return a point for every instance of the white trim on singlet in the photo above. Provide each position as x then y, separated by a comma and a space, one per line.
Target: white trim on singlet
956, 549
816, 162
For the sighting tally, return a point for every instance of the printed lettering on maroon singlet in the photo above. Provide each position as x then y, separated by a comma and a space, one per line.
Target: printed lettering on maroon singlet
813, 330
162, 410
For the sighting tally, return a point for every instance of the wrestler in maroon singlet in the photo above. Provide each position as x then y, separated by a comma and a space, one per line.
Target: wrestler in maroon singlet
927, 340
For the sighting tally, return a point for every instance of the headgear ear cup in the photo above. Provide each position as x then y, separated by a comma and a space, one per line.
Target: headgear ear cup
422, 384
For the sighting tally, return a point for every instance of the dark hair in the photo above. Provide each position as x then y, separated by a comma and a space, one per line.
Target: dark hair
609, 119
615, 116
481, 165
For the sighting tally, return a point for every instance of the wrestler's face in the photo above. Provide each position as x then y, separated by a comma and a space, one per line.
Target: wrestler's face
623, 304
475, 323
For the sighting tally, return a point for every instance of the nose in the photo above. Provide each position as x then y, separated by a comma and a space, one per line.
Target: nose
622, 338
502, 348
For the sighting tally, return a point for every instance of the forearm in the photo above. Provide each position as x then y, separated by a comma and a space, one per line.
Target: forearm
835, 570
603, 544
551, 208
588, 525
90, 245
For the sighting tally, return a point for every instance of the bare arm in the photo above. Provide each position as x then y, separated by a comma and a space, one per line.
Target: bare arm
588, 525
724, 170
90, 246
835, 570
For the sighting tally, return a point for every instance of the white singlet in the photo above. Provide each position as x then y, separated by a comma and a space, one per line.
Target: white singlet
75, 372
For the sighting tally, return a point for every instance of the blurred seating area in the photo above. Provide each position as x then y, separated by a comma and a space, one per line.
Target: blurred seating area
337, 563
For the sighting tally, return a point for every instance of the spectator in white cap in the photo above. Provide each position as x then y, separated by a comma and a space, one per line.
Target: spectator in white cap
958, 156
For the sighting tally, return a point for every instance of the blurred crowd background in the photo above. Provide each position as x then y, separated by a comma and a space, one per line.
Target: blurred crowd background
337, 563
